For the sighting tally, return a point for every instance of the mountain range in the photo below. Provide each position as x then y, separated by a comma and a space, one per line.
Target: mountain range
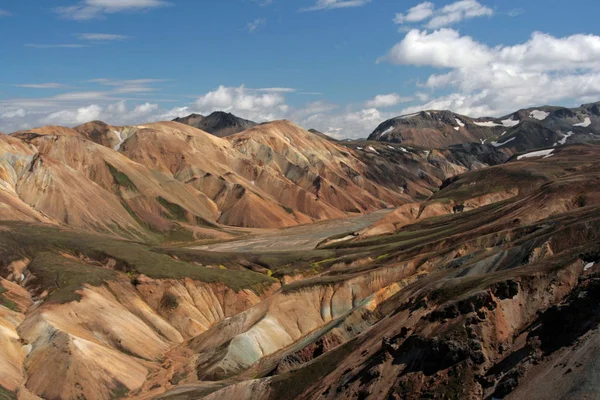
214, 257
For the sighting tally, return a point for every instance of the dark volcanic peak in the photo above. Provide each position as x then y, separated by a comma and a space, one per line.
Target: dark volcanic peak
218, 123
522, 130
192, 120
434, 129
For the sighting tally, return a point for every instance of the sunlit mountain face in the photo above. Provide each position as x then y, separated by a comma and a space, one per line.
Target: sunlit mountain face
319, 199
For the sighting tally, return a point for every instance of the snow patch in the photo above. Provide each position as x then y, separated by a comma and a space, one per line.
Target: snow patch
387, 131
503, 133
406, 151
588, 266
372, 149
460, 123
359, 148
391, 147
483, 141
487, 124
541, 153
509, 123
564, 139
539, 115
496, 144
456, 128
587, 122
409, 116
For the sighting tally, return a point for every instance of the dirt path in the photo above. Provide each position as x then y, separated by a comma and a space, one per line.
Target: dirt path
305, 237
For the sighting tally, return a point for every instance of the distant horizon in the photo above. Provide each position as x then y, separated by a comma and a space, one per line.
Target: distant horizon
308, 128
341, 67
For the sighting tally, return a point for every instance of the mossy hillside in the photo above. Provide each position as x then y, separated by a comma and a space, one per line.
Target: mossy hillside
11, 305
47, 246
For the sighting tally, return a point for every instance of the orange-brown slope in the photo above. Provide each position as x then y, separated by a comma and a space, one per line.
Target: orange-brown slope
155, 199
213, 166
329, 170
15, 158
52, 130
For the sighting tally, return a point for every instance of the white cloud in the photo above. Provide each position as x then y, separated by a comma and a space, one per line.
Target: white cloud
444, 48
416, 14
47, 85
257, 23
91, 9
449, 15
386, 100
261, 105
516, 12
331, 4
496, 80
100, 37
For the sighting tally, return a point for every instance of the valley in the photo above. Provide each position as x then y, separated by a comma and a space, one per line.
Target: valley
299, 238
162, 261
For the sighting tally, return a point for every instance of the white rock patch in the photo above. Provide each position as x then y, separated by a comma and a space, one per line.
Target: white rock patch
121, 137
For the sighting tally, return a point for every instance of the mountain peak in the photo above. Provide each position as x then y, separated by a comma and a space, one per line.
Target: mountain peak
218, 123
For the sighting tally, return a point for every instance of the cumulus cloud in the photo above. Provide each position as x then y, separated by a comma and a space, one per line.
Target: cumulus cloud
92, 9
331, 4
448, 15
495, 80
386, 100
261, 104
444, 48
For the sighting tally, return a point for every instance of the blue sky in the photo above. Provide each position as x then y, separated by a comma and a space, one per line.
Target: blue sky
338, 66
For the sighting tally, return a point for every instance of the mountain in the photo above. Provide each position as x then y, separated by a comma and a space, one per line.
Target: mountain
218, 123
520, 131
161, 261
499, 300
273, 175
